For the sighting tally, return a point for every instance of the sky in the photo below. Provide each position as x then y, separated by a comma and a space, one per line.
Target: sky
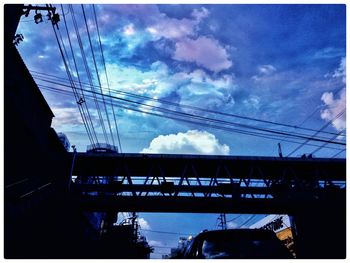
275, 63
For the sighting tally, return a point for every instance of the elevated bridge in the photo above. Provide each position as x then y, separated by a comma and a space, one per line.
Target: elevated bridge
206, 184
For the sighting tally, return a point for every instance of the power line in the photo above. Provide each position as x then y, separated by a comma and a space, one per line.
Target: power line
88, 117
69, 76
197, 123
323, 145
233, 219
335, 155
87, 69
276, 132
267, 136
248, 220
198, 108
105, 68
316, 110
322, 128
97, 74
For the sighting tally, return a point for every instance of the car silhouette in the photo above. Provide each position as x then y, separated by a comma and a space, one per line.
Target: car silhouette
236, 244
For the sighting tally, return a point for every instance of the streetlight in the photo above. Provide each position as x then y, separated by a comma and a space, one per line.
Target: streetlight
38, 18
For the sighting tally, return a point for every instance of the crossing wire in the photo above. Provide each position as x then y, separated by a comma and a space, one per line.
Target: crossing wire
195, 108
88, 71
322, 128
88, 118
335, 155
256, 134
245, 222
184, 120
277, 132
203, 124
97, 74
323, 145
70, 77
105, 68
188, 121
199, 117
316, 110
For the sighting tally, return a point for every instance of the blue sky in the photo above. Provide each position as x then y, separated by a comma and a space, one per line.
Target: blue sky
279, 63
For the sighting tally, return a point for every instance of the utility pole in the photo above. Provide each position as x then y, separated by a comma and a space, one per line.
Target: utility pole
134, 226
280, 150
222, 221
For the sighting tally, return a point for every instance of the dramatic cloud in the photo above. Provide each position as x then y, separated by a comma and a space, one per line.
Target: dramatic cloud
204, 51
191, 142
198, 88
334, 108
195, 88
173, 28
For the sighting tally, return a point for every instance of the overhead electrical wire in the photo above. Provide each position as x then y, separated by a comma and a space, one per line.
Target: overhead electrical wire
245, 222
169, 117
322, 128
276, 132
184, 120
323, 145
316, 110
105, 69
87, 69
81, 103
70, 77
196, 108
206, 121
97, 74
335, 155
233, 219
138, 110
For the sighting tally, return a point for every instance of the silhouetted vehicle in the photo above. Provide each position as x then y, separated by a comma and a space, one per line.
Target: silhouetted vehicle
236, 243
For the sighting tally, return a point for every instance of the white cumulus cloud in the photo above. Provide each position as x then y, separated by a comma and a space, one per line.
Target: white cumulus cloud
204, 51
191, 142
